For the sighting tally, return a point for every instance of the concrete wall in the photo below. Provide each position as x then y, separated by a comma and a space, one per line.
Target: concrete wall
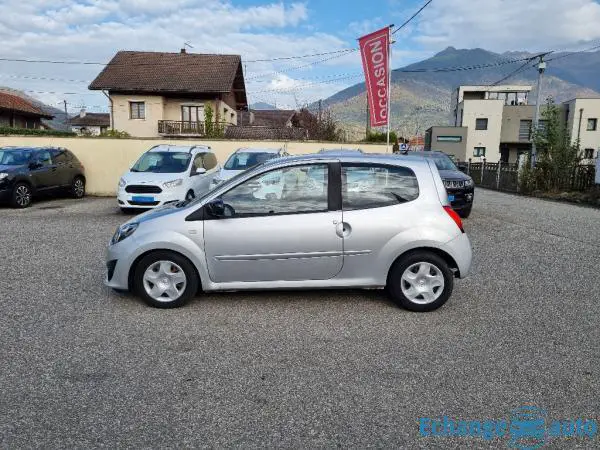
511, 121
490, 138
106, 160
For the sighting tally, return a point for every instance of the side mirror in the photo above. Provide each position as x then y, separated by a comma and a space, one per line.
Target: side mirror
35, 165
216, 208
462, 168
198, 171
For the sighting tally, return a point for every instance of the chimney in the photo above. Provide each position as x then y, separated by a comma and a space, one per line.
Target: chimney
182, 50
82, 113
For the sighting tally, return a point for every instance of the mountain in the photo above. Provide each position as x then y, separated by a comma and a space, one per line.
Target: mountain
422, 99
262, 106
58, 122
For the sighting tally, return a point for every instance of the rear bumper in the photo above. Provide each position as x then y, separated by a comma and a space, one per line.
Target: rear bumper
460, 250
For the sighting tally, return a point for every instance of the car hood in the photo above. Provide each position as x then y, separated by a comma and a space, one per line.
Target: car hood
12, 169
225, 174
155, 213
454, 175
151, 178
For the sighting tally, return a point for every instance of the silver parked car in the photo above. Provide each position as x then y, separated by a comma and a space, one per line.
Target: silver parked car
312, 221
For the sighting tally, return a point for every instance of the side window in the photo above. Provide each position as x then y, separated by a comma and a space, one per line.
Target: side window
374, 186
44, 158
291, 190
59, 156
210, 161
198, 161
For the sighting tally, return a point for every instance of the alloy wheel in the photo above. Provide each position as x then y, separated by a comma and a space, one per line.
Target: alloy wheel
422, 283
164, 281
78, 187
22, 196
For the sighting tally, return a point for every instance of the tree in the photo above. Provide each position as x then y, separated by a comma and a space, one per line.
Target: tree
325, 129
558, 157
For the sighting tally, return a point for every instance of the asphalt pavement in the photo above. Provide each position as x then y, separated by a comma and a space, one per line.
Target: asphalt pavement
84, 367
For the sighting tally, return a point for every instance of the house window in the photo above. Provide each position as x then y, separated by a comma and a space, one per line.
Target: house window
481, 124
137, 110
592, 124
479, 152
449, 138
524, 130
192, 113
588, 153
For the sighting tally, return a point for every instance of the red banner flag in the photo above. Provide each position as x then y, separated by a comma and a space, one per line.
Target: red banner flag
374, 49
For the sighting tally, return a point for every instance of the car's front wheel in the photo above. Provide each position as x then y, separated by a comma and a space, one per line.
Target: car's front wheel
21, 196
421, 281
165, 279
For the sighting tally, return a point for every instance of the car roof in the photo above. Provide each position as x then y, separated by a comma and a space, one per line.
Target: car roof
429, 153
354, 157
178, 148
258, 150
341, 151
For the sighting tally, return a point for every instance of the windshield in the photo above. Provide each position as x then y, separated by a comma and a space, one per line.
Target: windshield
246, 160
162, 162
442, 162
14, 157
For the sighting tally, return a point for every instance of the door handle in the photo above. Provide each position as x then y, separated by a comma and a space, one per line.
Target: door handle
343, 229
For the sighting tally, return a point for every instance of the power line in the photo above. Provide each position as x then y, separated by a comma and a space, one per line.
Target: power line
513, 73
574, 53
298, 57
412, 17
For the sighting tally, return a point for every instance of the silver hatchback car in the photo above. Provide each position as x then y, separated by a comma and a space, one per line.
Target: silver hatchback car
312, 221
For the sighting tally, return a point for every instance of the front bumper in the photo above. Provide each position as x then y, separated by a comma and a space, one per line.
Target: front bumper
462, 197
129, 200
119, 259
5, 195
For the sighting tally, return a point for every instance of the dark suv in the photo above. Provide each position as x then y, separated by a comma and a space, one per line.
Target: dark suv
28, 171
460, 186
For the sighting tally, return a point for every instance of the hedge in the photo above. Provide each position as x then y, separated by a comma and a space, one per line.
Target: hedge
33, 132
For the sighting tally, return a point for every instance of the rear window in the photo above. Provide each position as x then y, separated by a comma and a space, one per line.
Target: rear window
374, 186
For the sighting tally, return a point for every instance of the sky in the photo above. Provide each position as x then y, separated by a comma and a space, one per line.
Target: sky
94, 30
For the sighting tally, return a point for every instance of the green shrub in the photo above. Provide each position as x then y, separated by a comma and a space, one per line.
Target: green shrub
376, 136
115, 134
5, 131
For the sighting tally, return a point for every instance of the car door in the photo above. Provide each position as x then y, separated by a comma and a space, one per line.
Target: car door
378, 204
60, 159
280, 225
43, 171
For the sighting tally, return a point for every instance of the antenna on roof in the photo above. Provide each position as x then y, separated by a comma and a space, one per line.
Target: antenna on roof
187, 44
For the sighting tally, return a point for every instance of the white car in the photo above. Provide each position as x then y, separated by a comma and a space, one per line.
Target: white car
167, 174
246, 158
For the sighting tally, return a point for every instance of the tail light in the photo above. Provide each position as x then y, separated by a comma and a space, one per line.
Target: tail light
454, 215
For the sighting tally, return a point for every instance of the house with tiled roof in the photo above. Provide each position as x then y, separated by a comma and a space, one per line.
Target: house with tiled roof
156, 94
17, 112
90, 124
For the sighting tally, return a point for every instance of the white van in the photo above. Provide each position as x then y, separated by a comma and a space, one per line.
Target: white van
167, 174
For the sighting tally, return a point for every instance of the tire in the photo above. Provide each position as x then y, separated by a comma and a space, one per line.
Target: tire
21, 196
78, 187
426, 288
465, 213
190, 196
178, 278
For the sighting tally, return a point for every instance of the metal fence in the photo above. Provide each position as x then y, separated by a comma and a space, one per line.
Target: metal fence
505, 177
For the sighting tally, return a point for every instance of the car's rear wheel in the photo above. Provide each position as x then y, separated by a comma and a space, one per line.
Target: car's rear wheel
78, 187
165, 279
421, 281
21, 196
465, 212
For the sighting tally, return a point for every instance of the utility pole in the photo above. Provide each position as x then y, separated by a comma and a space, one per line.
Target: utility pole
368, 129
320, 109
536, 118
67, 120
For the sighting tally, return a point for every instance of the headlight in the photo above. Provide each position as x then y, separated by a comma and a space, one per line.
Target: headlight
3, 175
122, 183
172, 183
468, 183
124, 231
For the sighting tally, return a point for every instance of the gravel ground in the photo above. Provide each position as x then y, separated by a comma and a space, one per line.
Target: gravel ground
85, 367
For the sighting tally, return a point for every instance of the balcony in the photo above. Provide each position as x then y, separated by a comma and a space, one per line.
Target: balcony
180, 128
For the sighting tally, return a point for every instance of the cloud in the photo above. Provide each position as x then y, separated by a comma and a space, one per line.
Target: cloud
502, 25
